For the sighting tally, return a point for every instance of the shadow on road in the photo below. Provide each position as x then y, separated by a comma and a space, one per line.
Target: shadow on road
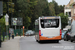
49, 42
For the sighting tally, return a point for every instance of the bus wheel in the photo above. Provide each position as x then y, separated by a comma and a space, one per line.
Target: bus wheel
71, 40
39, 41
36, 40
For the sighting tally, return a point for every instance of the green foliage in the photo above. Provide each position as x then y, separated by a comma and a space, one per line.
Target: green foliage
61, 8
64, 19
27, 23
51, 8
2, 24
4, 7
31, 10
55, 9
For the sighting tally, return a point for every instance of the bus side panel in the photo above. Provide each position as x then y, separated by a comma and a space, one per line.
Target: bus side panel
37, 30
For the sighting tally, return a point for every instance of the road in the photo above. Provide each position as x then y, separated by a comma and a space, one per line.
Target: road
29, 43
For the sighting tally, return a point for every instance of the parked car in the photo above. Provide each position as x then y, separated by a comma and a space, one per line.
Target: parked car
67, 36
63, 33
29, 32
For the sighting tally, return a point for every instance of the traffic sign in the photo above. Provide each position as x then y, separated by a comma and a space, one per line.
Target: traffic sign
6, 19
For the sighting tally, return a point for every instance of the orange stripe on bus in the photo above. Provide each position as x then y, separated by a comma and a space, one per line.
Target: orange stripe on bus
46, 38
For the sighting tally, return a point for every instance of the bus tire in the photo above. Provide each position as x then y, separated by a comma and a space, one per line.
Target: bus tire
66, 39
71, 40
39, 41
36, 40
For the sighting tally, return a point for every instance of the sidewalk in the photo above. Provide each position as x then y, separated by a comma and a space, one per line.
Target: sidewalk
12, 44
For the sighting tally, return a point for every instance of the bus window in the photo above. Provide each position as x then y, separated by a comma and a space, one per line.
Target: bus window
37, 26
49, 23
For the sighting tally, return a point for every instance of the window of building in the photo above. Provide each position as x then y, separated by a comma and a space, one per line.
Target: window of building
69, 14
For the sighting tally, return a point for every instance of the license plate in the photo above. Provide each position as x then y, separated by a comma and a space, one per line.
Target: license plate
49, 37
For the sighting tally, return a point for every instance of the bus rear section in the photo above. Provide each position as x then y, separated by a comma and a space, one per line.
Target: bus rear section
49, 29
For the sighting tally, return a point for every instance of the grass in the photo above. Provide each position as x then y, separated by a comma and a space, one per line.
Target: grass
5, 38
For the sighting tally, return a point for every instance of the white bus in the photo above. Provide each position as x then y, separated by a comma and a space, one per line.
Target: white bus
48, 28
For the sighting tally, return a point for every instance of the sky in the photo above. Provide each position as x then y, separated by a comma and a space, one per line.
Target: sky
61, 2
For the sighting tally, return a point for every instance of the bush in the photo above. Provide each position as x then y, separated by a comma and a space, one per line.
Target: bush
64, 20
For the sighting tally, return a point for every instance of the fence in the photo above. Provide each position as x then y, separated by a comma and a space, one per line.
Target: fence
18, 31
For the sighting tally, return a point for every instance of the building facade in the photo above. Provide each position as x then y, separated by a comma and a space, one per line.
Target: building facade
69, 10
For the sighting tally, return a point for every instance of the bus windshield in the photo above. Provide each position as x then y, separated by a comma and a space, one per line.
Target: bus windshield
49, 23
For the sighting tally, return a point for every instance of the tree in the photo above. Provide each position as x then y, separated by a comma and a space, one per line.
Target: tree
61, 9
41, 8
51, 8
2, 24
64, 19
27, 23
56, 7
31, 10
4, 8
24, 6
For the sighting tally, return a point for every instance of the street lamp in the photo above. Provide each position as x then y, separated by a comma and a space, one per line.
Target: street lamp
19, 21
7, 23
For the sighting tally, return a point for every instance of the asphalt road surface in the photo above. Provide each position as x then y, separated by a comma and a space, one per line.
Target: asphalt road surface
29, 43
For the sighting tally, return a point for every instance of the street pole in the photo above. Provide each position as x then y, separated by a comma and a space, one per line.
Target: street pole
7, 31
23, 31
19, 31
0, 36
8, 8
15, 27
6, 23
1, 15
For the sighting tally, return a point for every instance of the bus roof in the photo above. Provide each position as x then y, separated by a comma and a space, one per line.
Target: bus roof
50, 17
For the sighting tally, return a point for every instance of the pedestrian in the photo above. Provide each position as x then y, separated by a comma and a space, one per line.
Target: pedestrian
12, 36
3, 35
9, 36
